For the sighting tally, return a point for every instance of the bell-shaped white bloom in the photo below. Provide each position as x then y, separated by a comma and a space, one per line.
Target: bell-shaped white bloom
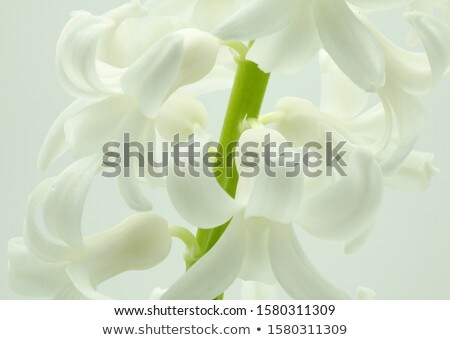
289, 33
84, 128
409, 75
155, 61
413, 72
94, 53
396, 125
388, 131
84, 58
140, 54
148, 57
391, 129
58, 262
302, 122
259, 243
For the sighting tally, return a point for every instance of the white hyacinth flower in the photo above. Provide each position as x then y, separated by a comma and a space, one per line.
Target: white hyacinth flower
58, 262
302, 122
260, 244
130, 67
342, 112
409, 75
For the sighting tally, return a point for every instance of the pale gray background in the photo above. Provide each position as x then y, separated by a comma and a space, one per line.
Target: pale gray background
406, 258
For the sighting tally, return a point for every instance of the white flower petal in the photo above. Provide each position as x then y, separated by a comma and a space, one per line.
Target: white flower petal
39, 243
347, 206
198, 197
374, 128
409, 118
415, 173
96, 124
77, 52
252, 142
152, 76
353, 245
199, 56
136, 34
287, 50
63, 207
180, 114
422, 7
294, 272
31, 276
258, 136
409, 70
276, 194
215, 271
208, 14
339, 95
258, 19
139, 129
220, 78
300, 125
55, 143
110, 76
81, 281
137, 243
435, 36
116, 43
132, 194
178, 59
350, 43
256, 265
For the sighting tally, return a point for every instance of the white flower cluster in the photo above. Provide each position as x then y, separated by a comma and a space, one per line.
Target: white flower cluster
139, 69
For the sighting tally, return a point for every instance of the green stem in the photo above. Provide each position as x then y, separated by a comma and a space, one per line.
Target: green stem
248, 92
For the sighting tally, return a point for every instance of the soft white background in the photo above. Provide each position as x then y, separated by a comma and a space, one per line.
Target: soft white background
406, 258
